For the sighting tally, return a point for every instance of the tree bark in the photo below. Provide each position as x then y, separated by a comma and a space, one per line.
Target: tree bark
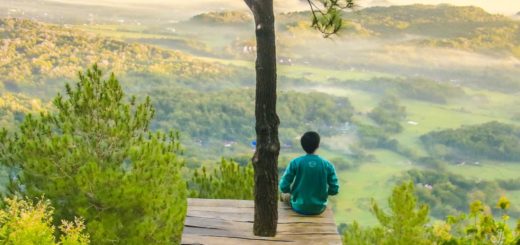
265, 159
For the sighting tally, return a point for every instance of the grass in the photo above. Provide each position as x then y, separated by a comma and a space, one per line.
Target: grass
322, 75
514, 197
487, 170
370, 180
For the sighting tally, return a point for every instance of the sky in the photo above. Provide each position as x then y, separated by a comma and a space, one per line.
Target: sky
507, 7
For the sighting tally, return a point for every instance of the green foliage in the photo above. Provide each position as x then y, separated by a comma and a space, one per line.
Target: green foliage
25, 222
373, 137
493, 140
448, 193
228, 115
405, 223
388, 114
93, 157
408, 224
327, 18
356, 235
477, 227
376, 137
40, 53
229, 180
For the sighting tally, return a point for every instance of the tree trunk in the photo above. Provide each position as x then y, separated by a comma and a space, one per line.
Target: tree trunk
265, 160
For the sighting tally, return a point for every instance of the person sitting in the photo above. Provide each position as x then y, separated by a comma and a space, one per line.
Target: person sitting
309, 179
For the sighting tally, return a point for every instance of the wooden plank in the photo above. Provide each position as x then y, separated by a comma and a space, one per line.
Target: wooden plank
220, 203
198, 240
247, 210
329, 239
190, 239
244, 235
291, 228
228, 209
284, 217
215, 221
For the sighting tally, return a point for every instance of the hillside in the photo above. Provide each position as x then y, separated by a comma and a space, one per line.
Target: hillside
423, 40
468, 28
191, 94
13, 108
228, 17
34, 53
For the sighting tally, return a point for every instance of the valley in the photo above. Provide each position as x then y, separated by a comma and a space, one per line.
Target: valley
448, 67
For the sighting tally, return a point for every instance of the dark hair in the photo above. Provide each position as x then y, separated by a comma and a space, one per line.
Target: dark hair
310, 141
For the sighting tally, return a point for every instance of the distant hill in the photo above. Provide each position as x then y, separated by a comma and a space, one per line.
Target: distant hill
226, 17
431, 20
460, 27
32, 53
444, 21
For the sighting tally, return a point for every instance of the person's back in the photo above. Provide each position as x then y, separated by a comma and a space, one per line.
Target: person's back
309, 179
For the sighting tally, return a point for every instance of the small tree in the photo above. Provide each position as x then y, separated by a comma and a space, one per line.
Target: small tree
327, 19
406, 222
93, 157
388, 114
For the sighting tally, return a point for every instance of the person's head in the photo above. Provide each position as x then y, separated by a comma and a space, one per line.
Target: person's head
310, 141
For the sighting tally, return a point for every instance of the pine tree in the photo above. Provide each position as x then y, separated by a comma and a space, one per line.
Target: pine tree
228, 181
94, 157
406, 222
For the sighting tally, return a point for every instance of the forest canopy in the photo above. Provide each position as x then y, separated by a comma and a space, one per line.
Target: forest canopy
493, 140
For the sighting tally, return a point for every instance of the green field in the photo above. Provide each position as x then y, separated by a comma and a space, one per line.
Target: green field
371, 180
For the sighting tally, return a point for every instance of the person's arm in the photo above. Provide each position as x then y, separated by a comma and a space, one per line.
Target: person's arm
332, 181
287, 178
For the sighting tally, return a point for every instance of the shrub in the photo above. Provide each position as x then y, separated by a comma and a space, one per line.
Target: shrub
25, 222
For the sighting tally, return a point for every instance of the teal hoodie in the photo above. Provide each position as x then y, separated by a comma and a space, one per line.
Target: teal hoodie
310, 179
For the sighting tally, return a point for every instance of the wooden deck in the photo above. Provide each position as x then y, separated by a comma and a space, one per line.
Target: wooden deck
217, 221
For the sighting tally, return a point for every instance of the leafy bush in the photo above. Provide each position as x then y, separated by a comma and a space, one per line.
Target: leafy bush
24, 222
407, 223
477, 227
